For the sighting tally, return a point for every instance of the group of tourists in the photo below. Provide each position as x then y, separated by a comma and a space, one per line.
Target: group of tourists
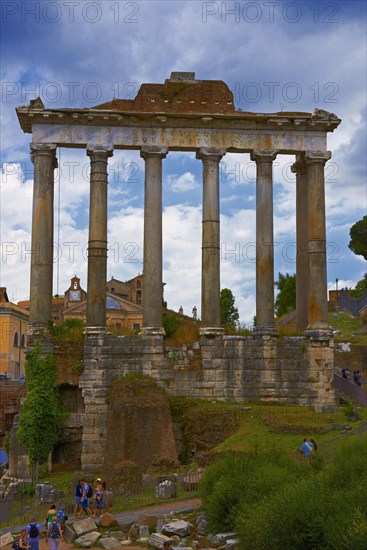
30, 536
88, 501
357, 377
91, 502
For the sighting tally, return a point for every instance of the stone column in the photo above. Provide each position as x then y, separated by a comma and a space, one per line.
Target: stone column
97, 241
317, 281
300, 169
264, 242
210, 271
44, 159
152, 260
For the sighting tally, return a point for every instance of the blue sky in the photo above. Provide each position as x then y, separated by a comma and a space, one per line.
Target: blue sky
273, 55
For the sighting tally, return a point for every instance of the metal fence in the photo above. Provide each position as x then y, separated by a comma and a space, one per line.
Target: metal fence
20, 505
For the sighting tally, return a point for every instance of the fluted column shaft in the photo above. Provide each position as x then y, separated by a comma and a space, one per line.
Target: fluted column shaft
317, 278
210, 273
152, 259
44, 159
97, 241
264, 241
300, 169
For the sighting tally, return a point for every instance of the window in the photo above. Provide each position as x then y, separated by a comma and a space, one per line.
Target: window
138, 297
16, 340
138, 283
22, 341
75, 285
136, 326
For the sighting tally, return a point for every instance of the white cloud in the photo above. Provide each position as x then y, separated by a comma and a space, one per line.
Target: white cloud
181, 184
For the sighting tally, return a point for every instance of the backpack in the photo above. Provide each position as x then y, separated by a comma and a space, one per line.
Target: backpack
90, 491
15, 545
54, 531
61, 517
33, 531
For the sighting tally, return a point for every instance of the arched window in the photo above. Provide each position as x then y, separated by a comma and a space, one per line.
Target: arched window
138, 283
138, 297
75, 285
22, 341
16, 340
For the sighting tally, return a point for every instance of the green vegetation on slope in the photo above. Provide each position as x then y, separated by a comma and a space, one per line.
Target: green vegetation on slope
272, 502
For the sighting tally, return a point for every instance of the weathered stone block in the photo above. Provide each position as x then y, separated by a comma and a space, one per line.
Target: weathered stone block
5, 539
89, 539
84, 526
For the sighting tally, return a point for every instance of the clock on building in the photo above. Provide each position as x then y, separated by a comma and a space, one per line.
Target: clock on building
74, 295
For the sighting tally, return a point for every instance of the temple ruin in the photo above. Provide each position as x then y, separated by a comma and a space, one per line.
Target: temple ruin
185, 114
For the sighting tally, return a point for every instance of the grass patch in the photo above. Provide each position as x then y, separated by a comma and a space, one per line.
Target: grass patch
265, 427
351, 328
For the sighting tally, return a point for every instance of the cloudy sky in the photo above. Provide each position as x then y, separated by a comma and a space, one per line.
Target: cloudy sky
273, 55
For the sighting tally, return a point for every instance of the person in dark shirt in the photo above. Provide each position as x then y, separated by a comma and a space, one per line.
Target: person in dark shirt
77, 497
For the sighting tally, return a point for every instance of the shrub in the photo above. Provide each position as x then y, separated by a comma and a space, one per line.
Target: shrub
236, 482
170, 325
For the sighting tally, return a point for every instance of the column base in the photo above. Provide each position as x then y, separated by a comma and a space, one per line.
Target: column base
265, 331
152, 331
95, 332
319, 331
211, 331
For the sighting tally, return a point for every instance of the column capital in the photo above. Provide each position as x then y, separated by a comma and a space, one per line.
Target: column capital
153, 150
317, 156
210, 153
263, 155
299, 165
45, 150
98, 150
43, 147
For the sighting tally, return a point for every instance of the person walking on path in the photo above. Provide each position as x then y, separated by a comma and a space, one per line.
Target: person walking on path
99, 498
33, 532
50, 514
84, 501
54, 533
77, 498
307, 449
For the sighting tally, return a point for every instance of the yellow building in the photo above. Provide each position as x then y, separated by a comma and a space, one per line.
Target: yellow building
124, 312
13, 327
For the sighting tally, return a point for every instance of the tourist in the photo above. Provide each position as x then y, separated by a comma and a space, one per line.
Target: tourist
355, 377
33, 532
345, 374
84, 500
54, 533
166, 546
99, 497
50, 514
358, 379
77, 497
307, 449
23, 540
314, 444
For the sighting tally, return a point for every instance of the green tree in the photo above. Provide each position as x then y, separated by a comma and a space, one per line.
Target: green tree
41, 417
228, 311
360, 289
286, 299
358, 237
